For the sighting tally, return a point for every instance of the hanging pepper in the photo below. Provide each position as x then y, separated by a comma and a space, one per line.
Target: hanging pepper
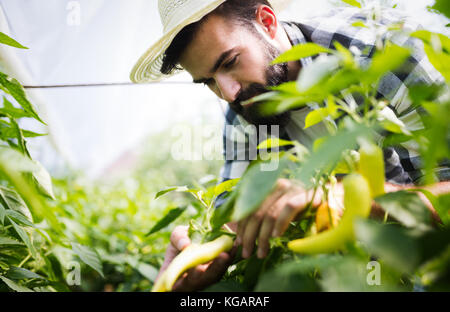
190, 257
371, 166
357, 203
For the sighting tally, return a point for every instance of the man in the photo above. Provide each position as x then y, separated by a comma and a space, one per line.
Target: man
228, 45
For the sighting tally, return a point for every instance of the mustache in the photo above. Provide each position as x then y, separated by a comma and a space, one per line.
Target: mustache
245, 95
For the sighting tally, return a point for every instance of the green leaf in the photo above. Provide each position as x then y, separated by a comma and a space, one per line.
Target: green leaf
19, 218
391, 243
272, 95
274, 142
437, 48
359, 24
7, 131
11, 111
434, 243
14, 160
16, 273
287, 87
329, 153
439, 41
300, 51
13, 87
11, 200
256, 184
88, 256
9, 241
223, 213
434, 142
391, 122
25, 238
316, 116
43, 180
391, 58
14, 286
171, 189
351, 273
353, 3
147, 270
442, 6
31, 134
171, 216
290, 276
407, 208
5, 39
424, 93
345, 54
316, 72
19, 135
225, 186
443, 208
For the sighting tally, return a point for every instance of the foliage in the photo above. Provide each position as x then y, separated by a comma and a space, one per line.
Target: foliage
118, 230
29, 230
411, 250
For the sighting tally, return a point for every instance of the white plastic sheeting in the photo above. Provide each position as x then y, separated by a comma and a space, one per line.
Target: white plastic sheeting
97, 41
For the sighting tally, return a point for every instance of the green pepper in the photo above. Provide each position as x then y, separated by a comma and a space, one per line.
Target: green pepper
190, 257
357, 203
371, 166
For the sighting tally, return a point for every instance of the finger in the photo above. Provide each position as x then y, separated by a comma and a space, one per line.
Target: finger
171, 253
281, 188
264, 236
179, 237
317, 200
240, 231
268, 224
204, 274
219, 265
293, 206
250, 234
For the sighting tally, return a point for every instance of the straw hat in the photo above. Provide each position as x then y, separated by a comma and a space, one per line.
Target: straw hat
175, 15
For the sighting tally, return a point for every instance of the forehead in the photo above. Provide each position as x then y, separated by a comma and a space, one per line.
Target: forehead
214, 36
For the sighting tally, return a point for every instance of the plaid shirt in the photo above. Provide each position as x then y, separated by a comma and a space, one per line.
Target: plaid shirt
402, 162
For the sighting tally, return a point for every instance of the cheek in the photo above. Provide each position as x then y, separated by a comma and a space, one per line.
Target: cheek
253, 68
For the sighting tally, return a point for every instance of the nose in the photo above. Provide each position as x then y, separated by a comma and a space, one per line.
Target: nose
227, 87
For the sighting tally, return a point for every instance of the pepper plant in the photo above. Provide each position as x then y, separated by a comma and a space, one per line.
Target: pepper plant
406, 247
31, 235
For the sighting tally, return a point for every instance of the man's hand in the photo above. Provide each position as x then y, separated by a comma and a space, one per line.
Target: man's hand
273, 216
202, 275
287, 201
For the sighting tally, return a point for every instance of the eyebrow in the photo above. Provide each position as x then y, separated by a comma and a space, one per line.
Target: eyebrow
219, 61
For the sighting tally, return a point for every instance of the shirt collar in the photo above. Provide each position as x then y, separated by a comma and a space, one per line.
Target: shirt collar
296, 37
294, 33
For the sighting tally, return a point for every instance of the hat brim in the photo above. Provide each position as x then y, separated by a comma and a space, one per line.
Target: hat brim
148, 67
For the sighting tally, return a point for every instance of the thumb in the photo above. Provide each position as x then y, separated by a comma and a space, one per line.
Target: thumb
179, 237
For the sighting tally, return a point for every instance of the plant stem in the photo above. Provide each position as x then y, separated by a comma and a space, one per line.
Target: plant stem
25, 260
386, 214
228, 228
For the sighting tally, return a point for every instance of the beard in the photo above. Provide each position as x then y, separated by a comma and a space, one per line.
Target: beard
275, 75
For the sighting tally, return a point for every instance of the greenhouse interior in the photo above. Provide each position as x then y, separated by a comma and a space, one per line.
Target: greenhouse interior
334, 176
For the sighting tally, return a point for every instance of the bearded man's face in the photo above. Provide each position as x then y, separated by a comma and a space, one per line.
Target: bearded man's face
233, 61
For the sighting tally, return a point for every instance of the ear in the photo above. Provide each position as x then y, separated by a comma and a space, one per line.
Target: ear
267, 19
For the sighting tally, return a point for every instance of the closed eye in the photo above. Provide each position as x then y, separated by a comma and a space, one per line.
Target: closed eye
231, 63
207, 82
